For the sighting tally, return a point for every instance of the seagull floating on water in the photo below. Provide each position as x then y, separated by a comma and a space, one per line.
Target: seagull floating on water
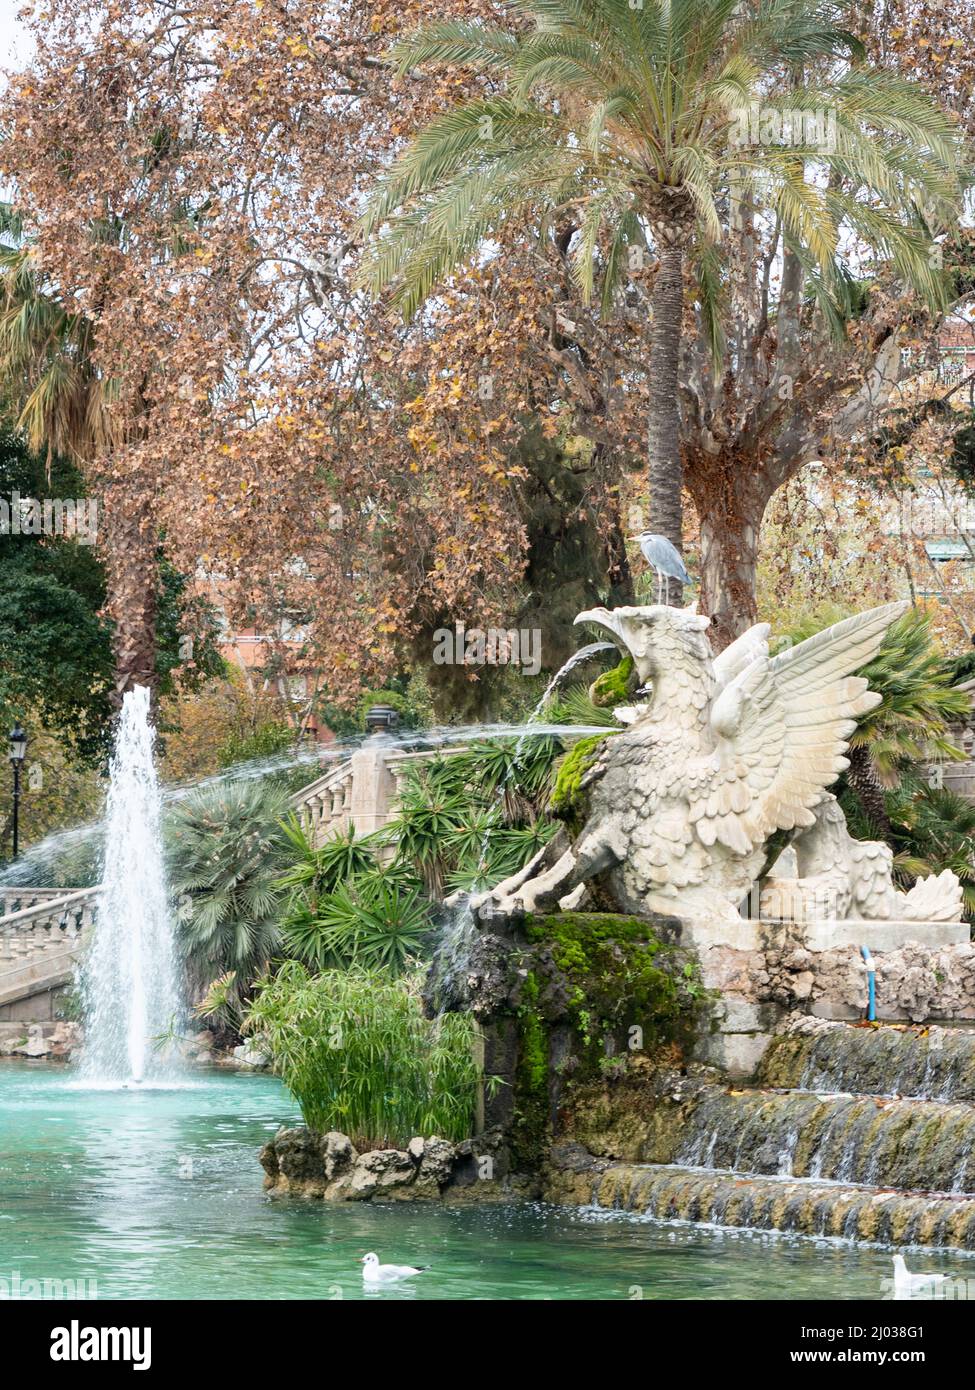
375, 1273
908, 1285
665, 560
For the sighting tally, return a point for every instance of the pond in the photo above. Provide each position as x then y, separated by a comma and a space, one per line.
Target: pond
157, 1194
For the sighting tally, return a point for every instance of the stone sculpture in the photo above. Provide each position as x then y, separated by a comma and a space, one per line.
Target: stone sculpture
827, 873
690, 804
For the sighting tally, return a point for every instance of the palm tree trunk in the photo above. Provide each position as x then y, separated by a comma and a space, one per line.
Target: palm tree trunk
865, 782
671, 222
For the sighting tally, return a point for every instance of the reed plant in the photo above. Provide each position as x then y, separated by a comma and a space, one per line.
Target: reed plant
356, 1051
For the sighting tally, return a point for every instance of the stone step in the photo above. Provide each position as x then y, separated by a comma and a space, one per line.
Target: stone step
927, 1062
913, 1145
801, 1206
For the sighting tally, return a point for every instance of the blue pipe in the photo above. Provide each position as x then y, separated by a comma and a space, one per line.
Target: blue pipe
871, 985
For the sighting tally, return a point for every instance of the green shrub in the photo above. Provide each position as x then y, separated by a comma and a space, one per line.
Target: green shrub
226, 850
372, 921
471, 819
346, 907
319, 869
265, 741
354, 1048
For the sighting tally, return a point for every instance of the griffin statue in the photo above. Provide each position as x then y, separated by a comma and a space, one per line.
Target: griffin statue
693, 801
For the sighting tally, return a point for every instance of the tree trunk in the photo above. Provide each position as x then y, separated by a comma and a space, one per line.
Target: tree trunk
866, 784
671, 221
131, 563
730, 497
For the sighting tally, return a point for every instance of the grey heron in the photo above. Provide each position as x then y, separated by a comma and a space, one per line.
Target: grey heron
666, 562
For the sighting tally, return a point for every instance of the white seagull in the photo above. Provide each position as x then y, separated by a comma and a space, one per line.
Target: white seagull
375, 1273
908, 1285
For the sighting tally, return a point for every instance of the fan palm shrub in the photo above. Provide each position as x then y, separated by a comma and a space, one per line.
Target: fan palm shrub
917, 701
356, 1051
611, 119
226, 852
934, 829
372, 921
910, 724
887, 790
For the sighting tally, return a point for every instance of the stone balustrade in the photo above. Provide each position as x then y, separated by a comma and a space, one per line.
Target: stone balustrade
42, 920
959, 778
323, 807
41, 933
362, 790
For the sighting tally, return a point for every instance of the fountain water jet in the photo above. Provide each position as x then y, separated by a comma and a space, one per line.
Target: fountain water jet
129, 980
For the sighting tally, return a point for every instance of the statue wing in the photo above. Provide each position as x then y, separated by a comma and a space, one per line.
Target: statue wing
781, 728
739, 654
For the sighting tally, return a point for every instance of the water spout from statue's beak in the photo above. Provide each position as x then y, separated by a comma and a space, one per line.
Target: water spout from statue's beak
606, 622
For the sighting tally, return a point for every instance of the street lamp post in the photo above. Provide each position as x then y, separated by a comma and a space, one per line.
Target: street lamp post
18, 751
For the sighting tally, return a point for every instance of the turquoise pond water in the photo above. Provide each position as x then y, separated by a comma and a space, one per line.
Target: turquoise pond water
157, 1194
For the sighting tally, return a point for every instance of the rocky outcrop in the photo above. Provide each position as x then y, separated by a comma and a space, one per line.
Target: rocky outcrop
36, 1041
300, 1163
915, 981
560, 998
252, 1056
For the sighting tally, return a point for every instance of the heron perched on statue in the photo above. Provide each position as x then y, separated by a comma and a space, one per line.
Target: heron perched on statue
665, 560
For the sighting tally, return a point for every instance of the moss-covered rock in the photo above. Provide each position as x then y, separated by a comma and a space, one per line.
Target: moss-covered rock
568, 799
616, 980
572, 998
615, 686
595, 995
638, 1113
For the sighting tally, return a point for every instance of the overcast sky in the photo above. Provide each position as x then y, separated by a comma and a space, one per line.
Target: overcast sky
13, 43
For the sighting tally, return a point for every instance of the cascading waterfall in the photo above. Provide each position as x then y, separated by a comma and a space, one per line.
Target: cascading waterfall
585, 653
847, 1139
456, 940
872, 1138
804, 1207
925, 1064
129, 980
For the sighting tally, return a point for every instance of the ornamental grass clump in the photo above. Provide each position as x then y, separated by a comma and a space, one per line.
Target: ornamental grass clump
354, 1048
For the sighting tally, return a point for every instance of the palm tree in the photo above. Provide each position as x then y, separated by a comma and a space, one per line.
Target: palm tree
66, 406
226, 851
910, 724
619, 118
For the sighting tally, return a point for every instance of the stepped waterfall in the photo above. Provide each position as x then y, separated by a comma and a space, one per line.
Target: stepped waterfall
856, 1132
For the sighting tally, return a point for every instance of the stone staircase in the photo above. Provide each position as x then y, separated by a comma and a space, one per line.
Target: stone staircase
41, 932
864, 1133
